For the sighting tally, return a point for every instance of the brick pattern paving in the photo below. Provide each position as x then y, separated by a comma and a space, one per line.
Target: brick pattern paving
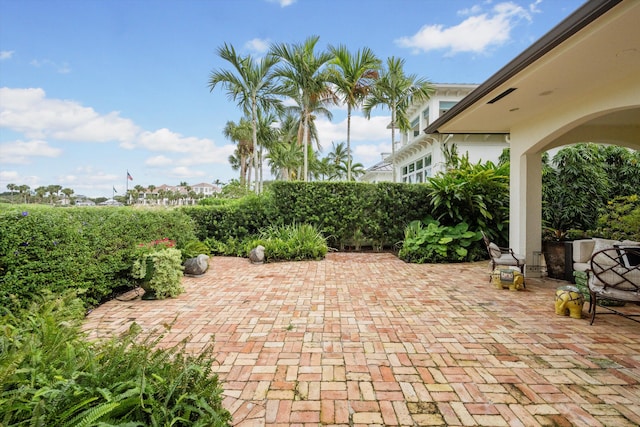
368, 340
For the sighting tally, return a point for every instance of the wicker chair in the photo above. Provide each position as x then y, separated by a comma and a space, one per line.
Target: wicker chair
615, 275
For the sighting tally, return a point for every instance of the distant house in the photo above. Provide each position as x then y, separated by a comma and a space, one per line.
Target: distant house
207, 190
178, 195
419, 156
111, 202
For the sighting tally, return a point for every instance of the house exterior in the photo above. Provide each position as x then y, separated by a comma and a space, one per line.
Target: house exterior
419, 156
580, 82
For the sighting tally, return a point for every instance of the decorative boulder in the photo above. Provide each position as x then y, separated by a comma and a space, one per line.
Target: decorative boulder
196, 266
256, 256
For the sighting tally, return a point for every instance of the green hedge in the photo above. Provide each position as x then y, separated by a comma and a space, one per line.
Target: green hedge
231, 218
346, 213
89, 249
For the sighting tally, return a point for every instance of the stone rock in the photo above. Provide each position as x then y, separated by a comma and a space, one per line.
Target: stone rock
196, 266
256, 256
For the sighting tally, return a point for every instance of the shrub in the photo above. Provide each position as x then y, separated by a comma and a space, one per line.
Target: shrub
194, 248
290, 242
620, 219
50, 375
158, 267
428, 241
90, 250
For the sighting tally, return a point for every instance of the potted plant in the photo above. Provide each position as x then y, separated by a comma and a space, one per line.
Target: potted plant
157, 266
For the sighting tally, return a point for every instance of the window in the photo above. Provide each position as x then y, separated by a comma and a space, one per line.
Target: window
419, 177
427, 160
446, 106
425, 117
419, 164
411, 167
404, 170
415, 126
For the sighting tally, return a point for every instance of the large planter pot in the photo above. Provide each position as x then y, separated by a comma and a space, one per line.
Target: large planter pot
557, 256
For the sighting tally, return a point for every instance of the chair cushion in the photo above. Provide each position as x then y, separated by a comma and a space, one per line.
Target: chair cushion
582, 250
507, 259
601, 244
494, 250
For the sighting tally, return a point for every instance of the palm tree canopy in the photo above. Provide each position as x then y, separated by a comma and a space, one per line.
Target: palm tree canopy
252, 82
305, 79
353, 74
397, 91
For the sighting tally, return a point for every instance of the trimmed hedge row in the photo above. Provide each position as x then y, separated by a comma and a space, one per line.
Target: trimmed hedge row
89, 250
347, 213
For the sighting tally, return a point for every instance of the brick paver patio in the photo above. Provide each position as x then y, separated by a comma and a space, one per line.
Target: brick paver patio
366, 339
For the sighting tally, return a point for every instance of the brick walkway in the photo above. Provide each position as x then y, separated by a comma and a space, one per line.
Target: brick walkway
366, 339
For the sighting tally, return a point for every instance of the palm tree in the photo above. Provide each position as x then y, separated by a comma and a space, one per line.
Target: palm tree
267, 135
40, 192
53, 191
354, 76
241, 134
24, 190
397, 91
285, 158
305, 81
252, 86
12, 188
337, 157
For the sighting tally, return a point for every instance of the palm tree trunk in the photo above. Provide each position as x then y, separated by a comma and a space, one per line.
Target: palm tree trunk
393, 142
348, 142
305, 141
254, 126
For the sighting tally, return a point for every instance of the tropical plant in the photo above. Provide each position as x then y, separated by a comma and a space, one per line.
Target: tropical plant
620, 219
240, 133
429, 241
397, 91
574, 188
305, 80
158, 267
51, 375
251, 85
294, 242
353, 74
476, 194
193, 248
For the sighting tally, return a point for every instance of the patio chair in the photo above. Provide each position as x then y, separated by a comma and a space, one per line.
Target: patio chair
615, 275
500, 256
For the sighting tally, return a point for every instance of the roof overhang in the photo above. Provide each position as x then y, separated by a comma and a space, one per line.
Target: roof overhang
598, 45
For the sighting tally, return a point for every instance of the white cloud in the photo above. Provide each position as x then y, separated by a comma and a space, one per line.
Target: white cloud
158, 161
63, 68
185, 172
258, 46
362, 130
6, 54
476, 34
370, 154
21, 151
283, 3
30, 112
167, 140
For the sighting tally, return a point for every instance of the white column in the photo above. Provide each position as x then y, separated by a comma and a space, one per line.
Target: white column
525, 218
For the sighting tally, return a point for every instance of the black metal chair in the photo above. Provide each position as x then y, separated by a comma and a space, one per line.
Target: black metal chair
614, 275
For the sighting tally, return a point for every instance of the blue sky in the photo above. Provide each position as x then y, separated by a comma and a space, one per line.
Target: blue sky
92, 88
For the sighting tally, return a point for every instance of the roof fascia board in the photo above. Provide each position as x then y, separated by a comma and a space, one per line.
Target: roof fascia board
575, 22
